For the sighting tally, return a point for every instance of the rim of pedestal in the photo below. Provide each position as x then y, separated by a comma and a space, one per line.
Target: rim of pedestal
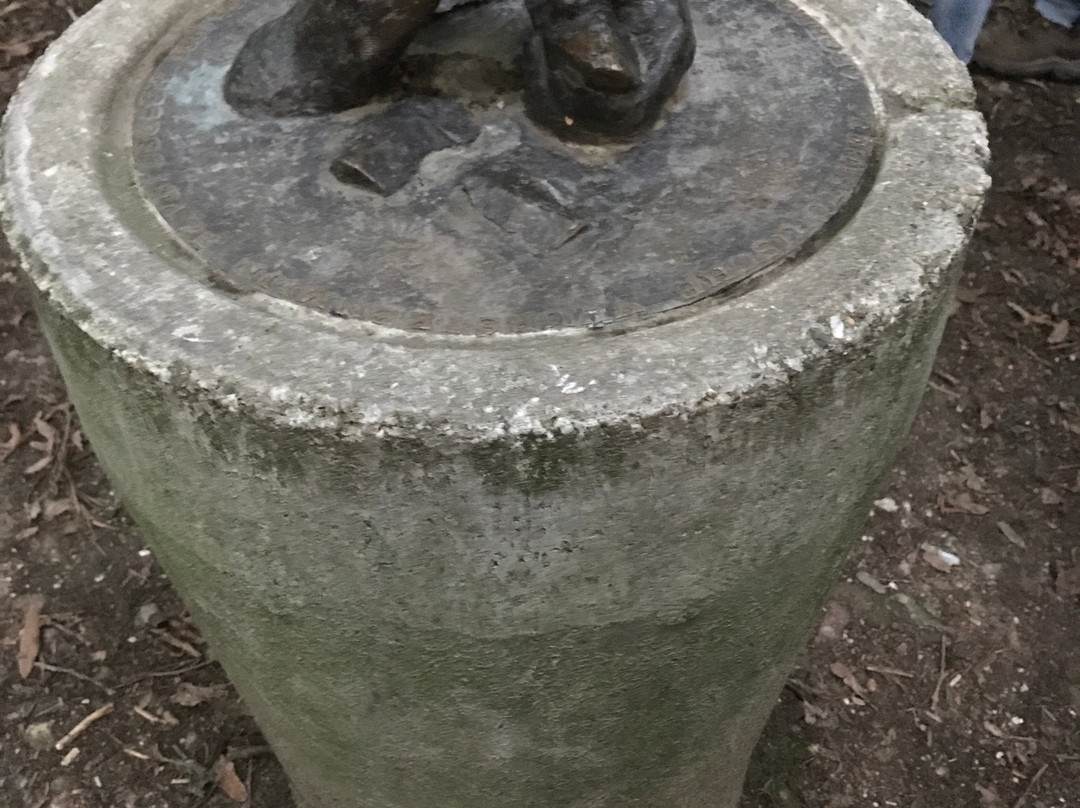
304, 369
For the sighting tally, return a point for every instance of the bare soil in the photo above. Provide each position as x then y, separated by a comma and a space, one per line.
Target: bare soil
946, 672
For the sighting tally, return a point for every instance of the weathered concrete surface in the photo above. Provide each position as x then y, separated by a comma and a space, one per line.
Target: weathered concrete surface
568, 569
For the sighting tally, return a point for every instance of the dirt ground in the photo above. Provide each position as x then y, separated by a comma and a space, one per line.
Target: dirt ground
946, 672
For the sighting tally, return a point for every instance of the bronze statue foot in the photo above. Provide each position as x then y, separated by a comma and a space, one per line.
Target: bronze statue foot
322, 56
599, 69
594, 69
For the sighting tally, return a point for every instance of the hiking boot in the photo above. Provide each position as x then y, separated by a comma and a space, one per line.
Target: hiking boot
1018, 41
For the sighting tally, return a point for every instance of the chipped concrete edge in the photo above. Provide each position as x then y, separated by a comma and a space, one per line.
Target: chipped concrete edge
899, 252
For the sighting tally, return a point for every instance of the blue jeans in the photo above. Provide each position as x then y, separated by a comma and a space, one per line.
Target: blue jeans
1063, 12
959, 21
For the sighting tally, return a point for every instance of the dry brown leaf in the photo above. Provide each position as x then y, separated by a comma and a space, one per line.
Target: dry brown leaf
1010, 533
56, 507
1048, 496
966, 295
30, 635
8, 446
189, 695
812, 713
11, 8
169, 719
1067, 581
23, 47
1059, 333
847, 676
988, 797
1029, 317
961, 503
47, 446
836, 619
229, 782
971, 479
840, 670
932, 556
47, 431
16, 50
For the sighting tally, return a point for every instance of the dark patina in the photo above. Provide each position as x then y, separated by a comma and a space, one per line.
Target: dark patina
593, 67
460, 216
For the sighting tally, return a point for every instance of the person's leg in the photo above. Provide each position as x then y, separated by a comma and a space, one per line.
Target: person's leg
1061, 12
959, 23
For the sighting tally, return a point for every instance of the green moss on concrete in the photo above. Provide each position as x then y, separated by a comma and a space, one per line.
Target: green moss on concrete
541, 464
280, 539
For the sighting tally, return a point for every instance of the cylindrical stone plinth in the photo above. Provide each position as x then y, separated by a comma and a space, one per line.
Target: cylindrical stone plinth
504, 498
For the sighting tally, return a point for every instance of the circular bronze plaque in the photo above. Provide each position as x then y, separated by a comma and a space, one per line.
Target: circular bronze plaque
506, 229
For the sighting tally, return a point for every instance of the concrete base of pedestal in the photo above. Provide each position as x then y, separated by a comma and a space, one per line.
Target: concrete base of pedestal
562, 569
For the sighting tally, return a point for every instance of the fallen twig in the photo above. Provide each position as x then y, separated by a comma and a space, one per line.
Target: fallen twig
84, 513
53, 621
177, 643
976, 667
69, 758
1031, 785
60, 463
248, 752
45, 666
11, 9
12, 443
166, 674
83, 725
941, 679
889, 671
950, 394
149, 716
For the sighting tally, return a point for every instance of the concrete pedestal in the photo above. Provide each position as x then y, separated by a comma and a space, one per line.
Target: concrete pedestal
479, 562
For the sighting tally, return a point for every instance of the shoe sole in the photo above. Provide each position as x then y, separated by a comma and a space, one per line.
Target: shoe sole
1067, 70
